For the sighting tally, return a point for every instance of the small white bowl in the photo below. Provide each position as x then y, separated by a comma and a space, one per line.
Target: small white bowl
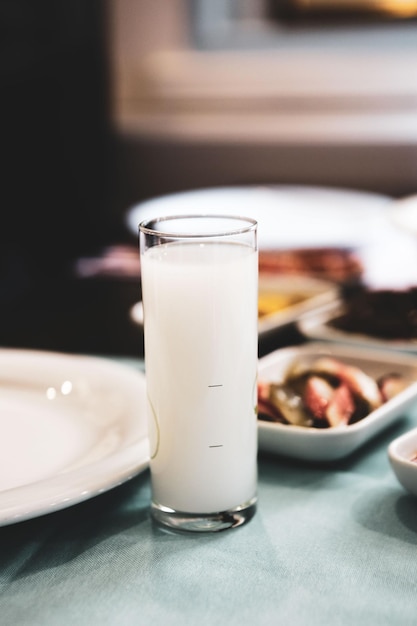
401, 451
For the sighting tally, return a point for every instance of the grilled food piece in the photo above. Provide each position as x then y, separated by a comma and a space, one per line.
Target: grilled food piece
325, 394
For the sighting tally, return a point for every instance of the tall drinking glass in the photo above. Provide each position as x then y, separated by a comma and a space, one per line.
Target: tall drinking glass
200, 299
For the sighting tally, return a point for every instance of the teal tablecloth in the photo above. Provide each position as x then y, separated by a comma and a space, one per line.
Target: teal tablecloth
329, 545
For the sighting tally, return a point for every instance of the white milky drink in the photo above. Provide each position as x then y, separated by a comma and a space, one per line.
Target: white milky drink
200, 322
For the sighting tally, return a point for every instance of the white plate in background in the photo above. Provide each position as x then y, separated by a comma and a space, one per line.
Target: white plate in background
72, 427
316, 293
401, 451
289, 216
403, 214
331, 444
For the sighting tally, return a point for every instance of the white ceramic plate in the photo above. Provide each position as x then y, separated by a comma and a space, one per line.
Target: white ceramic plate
401, 451
288, 216
403, 214
72, 427
317, 327
317, 293
335, 443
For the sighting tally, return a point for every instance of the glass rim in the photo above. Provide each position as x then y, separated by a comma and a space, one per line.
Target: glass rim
251, 225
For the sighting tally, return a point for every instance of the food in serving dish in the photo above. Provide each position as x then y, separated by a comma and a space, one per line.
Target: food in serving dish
325, 393
336, 264
384, 313
270, 302
330, 444
283, 300
280, 294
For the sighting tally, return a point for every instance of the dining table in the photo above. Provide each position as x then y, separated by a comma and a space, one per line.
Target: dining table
330, 543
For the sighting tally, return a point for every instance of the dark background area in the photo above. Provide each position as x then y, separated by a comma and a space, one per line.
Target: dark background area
60, 184
69, 176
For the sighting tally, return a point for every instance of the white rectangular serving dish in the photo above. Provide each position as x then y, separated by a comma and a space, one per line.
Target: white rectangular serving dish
331, 444
318, 294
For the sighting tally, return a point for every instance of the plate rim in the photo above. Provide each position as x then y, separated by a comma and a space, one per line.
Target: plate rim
327, 295
66, 489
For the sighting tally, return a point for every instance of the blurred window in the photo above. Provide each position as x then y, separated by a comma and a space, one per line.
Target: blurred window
283, 79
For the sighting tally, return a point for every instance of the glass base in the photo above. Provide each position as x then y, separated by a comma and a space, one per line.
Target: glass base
203, 522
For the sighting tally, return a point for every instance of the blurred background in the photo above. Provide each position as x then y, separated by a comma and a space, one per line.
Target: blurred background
109, 103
